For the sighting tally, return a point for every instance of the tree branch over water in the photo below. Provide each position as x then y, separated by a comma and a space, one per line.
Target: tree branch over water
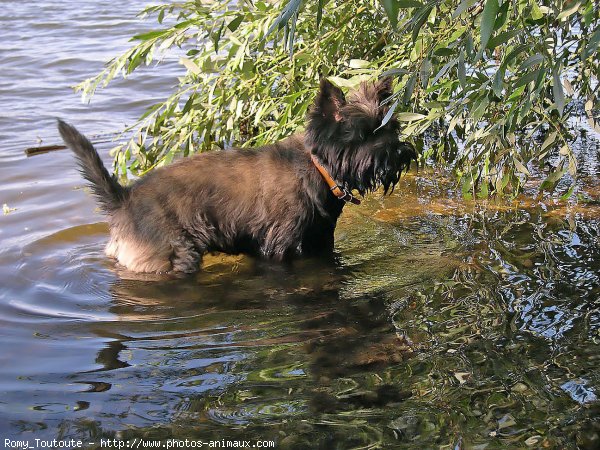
486, 88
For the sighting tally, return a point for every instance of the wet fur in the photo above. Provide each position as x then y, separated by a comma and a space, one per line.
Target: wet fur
269, 202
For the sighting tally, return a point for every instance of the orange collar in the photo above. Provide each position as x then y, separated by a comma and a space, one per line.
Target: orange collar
339, 192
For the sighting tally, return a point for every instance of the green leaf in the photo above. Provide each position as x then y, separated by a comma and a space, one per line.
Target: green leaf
488, 18
551, 180
483, 190
462, 71
409, 117
521, 167
568, 194
397, 71
539, 82
570, 10
235, 23
527, 78
425, 72
216, 36
557, 90
408, 90
502, 15
516, 93
408, 4
443, 51
443, 71
190, 65
320, 12
458, 32
149, 35
536, 12
391, 9
498, 82
480, 108
592, 44
292, 34
341, 82
549, 141
188, 105
462, 7
503, 38
291, 8
514, 53
358, 64
388, 115
531, 61
421, 17
469, 44
588, 15
467, 186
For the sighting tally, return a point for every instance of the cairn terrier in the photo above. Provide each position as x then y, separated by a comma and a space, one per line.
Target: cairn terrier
276, 201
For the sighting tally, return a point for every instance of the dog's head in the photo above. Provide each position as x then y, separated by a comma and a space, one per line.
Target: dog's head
346, 134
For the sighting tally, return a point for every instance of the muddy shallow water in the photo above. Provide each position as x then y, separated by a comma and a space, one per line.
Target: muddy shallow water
439, 323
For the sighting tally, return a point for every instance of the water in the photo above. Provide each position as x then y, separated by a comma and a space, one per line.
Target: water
440, 323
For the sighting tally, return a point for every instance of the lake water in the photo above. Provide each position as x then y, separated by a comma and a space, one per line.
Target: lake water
440, 324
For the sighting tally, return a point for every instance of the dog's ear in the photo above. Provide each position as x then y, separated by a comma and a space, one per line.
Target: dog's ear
384, 88
330, 100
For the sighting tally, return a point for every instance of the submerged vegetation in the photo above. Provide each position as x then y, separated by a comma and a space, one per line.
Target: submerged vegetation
493, 82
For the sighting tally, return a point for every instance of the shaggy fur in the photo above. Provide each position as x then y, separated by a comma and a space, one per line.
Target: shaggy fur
269, 201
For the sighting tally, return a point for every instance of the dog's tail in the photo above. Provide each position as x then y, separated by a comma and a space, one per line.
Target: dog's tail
109, 193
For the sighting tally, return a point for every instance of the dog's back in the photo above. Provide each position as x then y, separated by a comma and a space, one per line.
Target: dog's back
254, 201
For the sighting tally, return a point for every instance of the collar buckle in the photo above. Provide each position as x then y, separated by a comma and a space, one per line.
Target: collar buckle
340, 192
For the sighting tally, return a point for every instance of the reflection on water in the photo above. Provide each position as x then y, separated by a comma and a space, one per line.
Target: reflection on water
478, 325
438, 323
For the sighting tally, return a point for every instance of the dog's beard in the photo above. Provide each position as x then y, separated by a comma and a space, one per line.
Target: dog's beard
367, 167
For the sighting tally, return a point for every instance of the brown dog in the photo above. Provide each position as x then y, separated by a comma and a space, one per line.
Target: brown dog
275, 201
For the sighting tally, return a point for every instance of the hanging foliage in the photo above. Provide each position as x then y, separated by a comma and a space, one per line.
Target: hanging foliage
493, 82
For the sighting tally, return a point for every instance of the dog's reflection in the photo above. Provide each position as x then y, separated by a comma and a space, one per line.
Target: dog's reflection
258, 317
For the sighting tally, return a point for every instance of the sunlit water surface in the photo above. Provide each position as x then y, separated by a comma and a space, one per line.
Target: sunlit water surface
439, 324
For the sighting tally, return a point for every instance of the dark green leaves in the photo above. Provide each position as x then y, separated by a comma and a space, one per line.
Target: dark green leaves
290, 9
502, 38
533, 60
319, 12
418, 21
552, 180
592, 44
391, 9
409, 4
527, 78
443, 70
235, 23
410, 87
